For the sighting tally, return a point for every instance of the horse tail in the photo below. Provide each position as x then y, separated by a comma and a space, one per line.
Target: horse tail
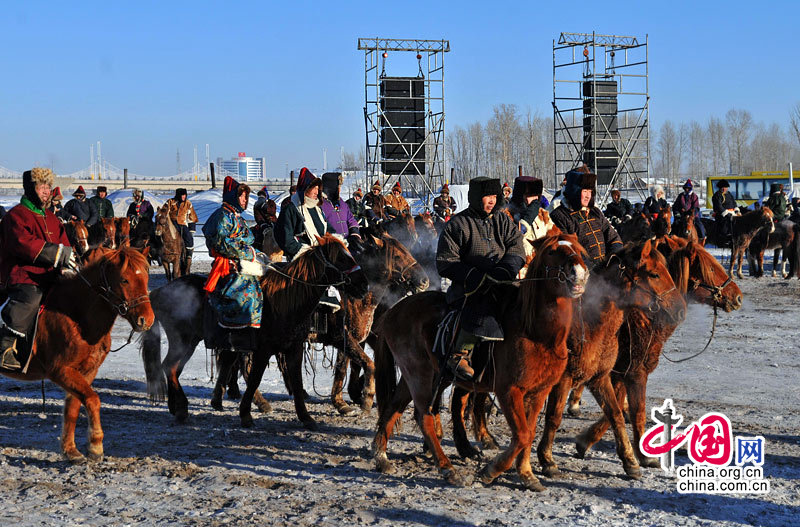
794, 252
151, 357
385, 374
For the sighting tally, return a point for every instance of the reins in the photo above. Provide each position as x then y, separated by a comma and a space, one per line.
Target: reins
104, 291
344, 276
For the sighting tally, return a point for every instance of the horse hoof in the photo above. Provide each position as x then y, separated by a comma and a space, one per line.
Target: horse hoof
485, 476
531, 482
650, 462
581, 447
264, 408
75, 457
574, 410
551, 471
216, 404
469, 452
247, 422
455, 478
96, 457
488, 443
347, 411
633, 471
181, 416
310, 425
234, 393
382, 464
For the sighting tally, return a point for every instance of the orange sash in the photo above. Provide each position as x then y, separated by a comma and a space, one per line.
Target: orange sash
219, 269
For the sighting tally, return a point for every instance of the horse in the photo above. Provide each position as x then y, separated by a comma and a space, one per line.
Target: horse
661, 223
780, 240
290, 296
172, 243
424, 249
269, 246
685, 227
143, 235
536, 320
636, 229
123, 231
78, 235
74, 334
103, 233
699, 277
743, 229
402, 228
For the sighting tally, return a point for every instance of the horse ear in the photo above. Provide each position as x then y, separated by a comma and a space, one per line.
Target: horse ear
145, 251
320, 239
377, 241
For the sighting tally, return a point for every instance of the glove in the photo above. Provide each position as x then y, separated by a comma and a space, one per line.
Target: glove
474, 280
72, 261
500, 273
728, 212
627, 217
355, 244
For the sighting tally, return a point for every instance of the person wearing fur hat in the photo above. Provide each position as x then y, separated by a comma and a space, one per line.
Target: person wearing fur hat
777, 202
524, 208
725, 209
183, 216
233, 283
374, 192
578, 215
105, 209
395, 203
507, 191
357, 207
34, 251
478, 246
54, 203
618, 209
687, 202
140, 208
265, 211
336, 211
444, 206
285, 202
655, 202
79, 208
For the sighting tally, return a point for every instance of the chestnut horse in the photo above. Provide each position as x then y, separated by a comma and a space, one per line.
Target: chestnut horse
699, 277
103, 233
780, 240
744, 229
78, 235
123, 232
636, 229
74, 337
536, 321
424, 250
685, 227
171, 243
290, 296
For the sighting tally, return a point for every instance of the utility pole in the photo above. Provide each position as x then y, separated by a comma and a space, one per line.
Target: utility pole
178, 161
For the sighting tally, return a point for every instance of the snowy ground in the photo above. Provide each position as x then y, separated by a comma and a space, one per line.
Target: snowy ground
212, 472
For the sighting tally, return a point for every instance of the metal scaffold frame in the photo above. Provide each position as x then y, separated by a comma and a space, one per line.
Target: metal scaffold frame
423, 184
591, 57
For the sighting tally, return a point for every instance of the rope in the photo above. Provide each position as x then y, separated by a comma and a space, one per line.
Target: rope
713, 330
130, 337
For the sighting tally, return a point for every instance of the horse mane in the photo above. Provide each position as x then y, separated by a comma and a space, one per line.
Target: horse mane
129, 257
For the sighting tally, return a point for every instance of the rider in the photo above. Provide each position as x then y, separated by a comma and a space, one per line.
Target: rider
105, 209
374, 192
183, 216
54, 203
357, 205
656, 201
34, 247
265, 211
724, 210
444, 206
396, 204
618, 209
79, 208
777, 202
336, 211
689, 203
233, 287
140, 208
479, 245
578, 215
524, 206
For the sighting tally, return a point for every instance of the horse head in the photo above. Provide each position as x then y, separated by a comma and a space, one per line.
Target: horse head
109, 231
387, 260
339, 265
78, 236
559, 264
120, 277
767, 218
123, 235
640, 272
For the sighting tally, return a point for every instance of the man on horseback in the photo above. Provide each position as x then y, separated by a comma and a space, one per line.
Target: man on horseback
777, 202
688, 203
444, 206
183, 216
619, 209
396, 204
78, 208
337, 213
479, 246
724, 210
233, 287
578, 215
105, 209
357, 206
139, 209
265, 212
34, 249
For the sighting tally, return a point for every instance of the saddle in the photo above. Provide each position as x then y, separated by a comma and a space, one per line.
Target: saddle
219, 338
444, 343
26, 346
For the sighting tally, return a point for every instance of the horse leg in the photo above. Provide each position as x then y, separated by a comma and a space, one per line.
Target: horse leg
533, 405
386, 422
739, 254
479, 428
225, 362
357, 354
553, 415
597, 430
294, 370
75, 384
457, 406
260, 361
232, 389
636, 388
339, 373
178, 355
513, 405
245, 362
428, 425
776, 255
574, 404
355, 384
604, 393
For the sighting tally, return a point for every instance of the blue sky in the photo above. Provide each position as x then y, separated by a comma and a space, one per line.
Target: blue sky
285, 80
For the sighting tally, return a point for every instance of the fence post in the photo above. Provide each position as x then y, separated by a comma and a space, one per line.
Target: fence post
213, 179
124, 178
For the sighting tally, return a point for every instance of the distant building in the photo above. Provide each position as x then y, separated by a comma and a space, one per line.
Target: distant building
246, 168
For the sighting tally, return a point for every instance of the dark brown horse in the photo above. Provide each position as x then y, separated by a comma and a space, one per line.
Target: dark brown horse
636, 229
700, 278
290, 296
780, 240
171, 243
536, 320
78, 235
123, 232
402, 228
424, 250
744, 228
103, 233
74, 334
685, 227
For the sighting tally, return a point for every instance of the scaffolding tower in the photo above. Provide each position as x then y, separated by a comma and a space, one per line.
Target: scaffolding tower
601, 110
420, 162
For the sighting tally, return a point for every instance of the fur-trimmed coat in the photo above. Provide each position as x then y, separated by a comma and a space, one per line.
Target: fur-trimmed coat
594, 231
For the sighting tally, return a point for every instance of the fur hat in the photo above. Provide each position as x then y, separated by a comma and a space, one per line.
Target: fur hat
577, 180
32, 179
655, 190
100, 189
480, 187
723, 183
445, 189
358, 193
79, 191
56, 194
688, 184
180, 192
526, 185
397, 187
377, 186
304, 180
505, 186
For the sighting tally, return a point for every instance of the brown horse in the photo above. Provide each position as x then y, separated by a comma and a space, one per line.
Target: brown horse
402, 228
521, 370
103, 233
171, 244
123, 232
685, 227
424, 250
78, 235
74, 337
269, 246
744, 228
636, 229
699, 277
780, 240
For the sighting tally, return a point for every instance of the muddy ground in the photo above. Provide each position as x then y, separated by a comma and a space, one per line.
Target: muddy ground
212, 472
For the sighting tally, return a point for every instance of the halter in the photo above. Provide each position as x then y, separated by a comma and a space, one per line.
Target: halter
104, 291
656, 303
715, 290
344, 276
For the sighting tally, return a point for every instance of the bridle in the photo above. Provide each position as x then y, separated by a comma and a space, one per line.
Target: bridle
104, 291
715, 290
343, 279
656, 299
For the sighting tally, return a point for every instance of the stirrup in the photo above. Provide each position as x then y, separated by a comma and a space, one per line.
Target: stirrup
9, 360
460, 367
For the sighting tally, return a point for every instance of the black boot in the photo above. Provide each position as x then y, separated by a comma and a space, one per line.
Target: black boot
8, 347
458, 363
186, 264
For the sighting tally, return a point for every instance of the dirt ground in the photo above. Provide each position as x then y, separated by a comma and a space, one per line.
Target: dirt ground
212, 472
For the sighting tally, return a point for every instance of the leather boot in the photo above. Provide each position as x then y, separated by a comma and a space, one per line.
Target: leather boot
8, 345
458, 363
186, 265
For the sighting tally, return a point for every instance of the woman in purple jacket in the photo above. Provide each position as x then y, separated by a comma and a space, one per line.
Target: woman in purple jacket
336, 210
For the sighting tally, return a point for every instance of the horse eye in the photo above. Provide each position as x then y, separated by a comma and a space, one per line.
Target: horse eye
651, 274
123, 281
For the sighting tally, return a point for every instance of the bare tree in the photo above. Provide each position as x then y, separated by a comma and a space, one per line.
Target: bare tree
716, 142
739, 124
697, 150
794, 119
503, 130
667, 146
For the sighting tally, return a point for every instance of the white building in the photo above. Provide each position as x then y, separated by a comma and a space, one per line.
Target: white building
245, 168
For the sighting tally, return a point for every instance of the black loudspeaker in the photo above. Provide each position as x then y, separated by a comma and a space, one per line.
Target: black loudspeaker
599, 106
402, 124
401, 119
395, 168
605, 158
604, 175
402, 135
600, 89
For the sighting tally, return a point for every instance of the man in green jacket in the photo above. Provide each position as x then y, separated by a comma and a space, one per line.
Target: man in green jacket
777, 202
103, 205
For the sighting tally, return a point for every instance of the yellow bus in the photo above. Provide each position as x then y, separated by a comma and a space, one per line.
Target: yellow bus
748, 189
